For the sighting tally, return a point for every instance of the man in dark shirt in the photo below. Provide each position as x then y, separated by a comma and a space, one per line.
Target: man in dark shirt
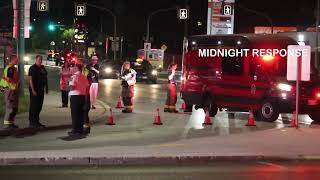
94, 71
38, 85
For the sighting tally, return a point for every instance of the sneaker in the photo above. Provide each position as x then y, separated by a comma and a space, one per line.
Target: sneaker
166, 110
41, 125
127, 111
76, 134
86, 130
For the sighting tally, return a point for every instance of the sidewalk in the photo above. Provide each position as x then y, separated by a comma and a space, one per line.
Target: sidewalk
53, 116
287, 144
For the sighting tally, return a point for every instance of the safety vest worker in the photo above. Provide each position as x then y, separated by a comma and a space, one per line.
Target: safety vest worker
172, 90
128, 77
10, 82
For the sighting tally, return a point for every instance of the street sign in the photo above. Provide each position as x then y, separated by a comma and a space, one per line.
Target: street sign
81, 10
183, 14
147, 46
115, 45
227, 10
52, 43
164, 47
43, 5
305, 62
27, 4
220, 17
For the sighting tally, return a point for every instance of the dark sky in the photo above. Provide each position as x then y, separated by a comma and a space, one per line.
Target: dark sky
165, 27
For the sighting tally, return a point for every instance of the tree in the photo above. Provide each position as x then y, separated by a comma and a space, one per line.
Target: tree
68, 34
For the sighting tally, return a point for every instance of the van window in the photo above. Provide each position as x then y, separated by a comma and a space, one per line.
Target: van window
232, 65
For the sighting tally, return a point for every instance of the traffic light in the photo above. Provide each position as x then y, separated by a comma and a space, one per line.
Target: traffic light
30, 27
51, 27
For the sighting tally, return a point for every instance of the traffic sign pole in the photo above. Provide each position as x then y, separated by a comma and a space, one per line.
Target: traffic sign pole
21, 45
299, 71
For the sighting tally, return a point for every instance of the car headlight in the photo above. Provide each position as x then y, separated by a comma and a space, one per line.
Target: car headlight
108, 70
26, 58
284, 87
154, 72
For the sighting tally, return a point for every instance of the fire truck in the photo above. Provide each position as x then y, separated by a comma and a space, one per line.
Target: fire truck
240, 84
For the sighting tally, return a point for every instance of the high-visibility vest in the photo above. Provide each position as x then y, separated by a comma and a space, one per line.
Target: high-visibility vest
85, 71
11, 83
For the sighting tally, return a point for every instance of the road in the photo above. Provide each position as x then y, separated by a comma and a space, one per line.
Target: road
137, 128
259, 170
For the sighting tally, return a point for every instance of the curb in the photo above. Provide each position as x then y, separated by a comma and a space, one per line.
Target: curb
170, 160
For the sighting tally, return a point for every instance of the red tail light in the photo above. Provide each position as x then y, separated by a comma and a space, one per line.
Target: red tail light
318, 95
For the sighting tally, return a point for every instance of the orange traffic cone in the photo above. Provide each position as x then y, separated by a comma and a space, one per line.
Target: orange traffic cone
157, 119
294, 120
119, 104
251, 119
183, 106
207, 119
110, 120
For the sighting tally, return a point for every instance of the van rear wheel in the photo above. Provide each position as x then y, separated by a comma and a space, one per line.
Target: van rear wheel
268, 111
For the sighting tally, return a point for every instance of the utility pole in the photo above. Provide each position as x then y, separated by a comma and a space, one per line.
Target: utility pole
114, 24
21, 44
259, 14
186, 21
316, 61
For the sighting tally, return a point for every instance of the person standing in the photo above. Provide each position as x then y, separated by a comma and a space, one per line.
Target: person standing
65, 74
128, 76
79, 86
172, 90
94, 71
10, 82
87, 124
38, 86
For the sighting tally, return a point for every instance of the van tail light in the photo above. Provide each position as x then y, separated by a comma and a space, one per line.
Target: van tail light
268, 58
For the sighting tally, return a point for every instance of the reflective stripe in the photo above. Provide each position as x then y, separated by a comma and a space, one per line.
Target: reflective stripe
85, 71
87, 125
7, 122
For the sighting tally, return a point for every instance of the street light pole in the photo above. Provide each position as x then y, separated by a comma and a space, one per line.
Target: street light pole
114, 23
259, 14
149, 19
316, 63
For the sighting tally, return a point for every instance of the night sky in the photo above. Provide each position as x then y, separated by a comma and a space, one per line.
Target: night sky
165, 27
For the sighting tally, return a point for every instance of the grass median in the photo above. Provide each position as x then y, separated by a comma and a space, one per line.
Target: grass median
23, 104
